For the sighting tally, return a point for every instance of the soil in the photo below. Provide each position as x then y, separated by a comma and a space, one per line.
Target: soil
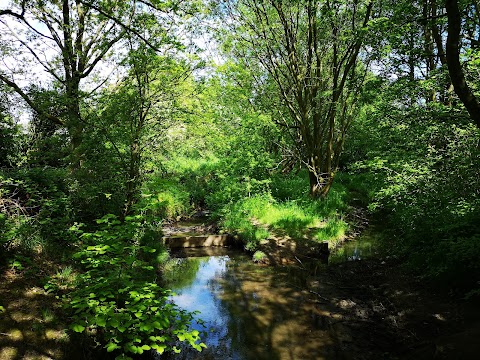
32, 326
379, 311
376, 309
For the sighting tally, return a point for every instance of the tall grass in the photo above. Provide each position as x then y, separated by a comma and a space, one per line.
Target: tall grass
255, 217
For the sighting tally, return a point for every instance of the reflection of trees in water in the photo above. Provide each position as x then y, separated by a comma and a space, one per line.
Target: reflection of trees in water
180, 273
234, 332
256, 312
250, 337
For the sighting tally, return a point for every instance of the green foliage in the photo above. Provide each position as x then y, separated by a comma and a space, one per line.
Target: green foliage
47, 143
117, 299
259, 256
35, 209
419, 167
166, 199
220, 151
253, 218
9, 138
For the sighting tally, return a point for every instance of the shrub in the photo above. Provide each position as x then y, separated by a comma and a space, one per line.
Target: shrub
117, 299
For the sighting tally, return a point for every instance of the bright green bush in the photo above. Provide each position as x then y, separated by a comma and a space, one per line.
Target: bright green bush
117, 300
165, 199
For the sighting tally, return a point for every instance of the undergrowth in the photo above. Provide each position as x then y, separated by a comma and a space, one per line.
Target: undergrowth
253, 218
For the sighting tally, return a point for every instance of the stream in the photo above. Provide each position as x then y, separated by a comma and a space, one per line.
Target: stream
248, 311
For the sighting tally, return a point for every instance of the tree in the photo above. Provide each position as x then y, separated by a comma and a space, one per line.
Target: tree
310, 49
67, 39
8, 134
453, 46
133, 114
151, 91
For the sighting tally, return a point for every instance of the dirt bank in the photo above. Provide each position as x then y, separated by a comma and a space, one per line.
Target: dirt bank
378, 311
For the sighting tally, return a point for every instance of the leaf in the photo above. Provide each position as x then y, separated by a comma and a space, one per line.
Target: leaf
147, 327
111, 346
159, 348
101, 321
77, 328
122, 329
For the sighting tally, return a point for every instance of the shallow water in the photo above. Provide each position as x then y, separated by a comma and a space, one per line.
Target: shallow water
250, 311
363, 247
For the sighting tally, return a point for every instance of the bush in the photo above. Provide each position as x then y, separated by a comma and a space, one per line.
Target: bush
419, 169
36, 209
117, 300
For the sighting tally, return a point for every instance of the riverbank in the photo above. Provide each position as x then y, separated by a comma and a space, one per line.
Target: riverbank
375, 307
382, 312
371, 308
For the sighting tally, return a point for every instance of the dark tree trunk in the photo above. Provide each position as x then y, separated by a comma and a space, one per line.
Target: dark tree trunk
74, 123
455, 70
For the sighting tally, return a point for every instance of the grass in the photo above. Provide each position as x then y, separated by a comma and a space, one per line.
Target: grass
166, 198
255, 217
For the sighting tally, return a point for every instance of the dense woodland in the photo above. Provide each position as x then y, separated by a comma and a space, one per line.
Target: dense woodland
119, 116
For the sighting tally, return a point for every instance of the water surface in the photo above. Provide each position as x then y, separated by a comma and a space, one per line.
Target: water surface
250, 311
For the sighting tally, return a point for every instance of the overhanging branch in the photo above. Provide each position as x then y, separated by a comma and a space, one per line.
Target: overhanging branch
29, 101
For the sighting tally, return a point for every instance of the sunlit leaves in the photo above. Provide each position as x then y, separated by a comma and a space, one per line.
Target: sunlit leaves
117, 294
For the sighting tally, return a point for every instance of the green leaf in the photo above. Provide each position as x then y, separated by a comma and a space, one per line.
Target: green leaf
111, 346
77, 328
101, 321
122, 329
159, 348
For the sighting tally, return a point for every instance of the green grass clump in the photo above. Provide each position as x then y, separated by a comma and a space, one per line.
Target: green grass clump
259, 256
333, 232
319, 219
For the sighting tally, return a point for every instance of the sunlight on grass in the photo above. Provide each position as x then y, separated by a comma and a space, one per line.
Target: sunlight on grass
319, 220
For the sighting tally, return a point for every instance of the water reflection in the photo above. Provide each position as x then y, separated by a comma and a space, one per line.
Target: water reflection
251, 312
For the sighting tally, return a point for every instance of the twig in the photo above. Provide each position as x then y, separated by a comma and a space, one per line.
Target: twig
320, 296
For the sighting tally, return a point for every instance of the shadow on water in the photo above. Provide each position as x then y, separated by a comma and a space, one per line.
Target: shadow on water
350, 309
251, 312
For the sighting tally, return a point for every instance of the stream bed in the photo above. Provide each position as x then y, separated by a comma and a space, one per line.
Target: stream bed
249, 311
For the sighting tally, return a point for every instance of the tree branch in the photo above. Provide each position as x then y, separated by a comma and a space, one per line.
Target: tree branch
29, 101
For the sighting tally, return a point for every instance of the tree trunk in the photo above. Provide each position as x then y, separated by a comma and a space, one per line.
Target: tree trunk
74, 123
319, 184
455, 70
132, 182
